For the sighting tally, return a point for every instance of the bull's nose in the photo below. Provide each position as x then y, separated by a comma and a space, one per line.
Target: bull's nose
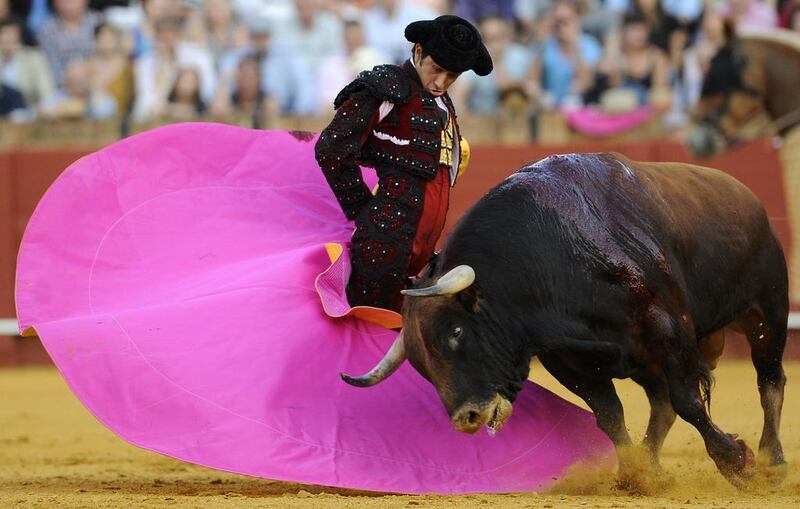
469, 418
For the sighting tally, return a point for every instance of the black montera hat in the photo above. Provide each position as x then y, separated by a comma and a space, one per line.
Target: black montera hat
453, 43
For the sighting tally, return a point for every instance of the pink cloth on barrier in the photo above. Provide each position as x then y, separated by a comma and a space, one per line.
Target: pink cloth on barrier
594, 122
171, 278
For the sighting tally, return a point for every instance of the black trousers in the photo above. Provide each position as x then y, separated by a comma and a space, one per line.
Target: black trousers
382, 243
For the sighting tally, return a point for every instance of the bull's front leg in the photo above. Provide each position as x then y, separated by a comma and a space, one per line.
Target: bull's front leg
601, 396
662, 415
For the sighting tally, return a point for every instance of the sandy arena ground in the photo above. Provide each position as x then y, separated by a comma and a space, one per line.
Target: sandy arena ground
54, 454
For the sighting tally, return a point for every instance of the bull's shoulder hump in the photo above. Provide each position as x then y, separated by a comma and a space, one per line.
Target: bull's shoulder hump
602, 163
574, 159
576, 169
578, 160
692, 179
610, 168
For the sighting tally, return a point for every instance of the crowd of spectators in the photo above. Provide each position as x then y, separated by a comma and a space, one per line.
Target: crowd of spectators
161, 60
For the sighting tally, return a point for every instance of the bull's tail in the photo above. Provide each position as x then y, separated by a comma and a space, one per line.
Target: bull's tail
706, 383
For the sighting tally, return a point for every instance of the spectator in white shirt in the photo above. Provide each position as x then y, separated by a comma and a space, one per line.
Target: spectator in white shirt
157, 70
341, 68
78, 99
385, 24
24, 69
68, 35
311, 32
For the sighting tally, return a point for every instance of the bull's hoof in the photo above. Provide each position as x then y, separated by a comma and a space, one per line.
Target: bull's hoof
772, 475
639, 472
646, 480
741, 475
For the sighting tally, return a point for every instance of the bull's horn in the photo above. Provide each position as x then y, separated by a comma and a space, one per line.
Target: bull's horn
388, 365
459, 278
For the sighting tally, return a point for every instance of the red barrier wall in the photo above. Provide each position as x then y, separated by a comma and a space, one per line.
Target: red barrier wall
8, 237
26, 174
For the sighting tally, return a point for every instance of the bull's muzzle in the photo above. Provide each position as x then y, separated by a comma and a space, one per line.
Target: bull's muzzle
470, 417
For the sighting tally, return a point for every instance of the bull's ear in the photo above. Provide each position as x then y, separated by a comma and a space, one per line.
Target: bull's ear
471, 298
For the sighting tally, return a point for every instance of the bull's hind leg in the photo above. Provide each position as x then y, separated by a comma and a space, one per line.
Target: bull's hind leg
686, 374
732, 456
766, 333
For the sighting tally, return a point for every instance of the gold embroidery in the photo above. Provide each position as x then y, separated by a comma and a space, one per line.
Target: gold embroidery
464, 153
446, 153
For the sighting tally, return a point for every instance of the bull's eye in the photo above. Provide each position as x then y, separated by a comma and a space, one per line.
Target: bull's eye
454, 335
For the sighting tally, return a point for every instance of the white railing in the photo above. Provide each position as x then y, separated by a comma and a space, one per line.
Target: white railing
9, 327
794, 321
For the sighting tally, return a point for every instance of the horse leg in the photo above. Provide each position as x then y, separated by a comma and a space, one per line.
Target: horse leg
790, 162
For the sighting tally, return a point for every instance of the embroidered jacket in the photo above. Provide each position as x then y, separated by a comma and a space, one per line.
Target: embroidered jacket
386, 119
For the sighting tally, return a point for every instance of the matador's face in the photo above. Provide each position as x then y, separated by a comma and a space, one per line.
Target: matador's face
435, 79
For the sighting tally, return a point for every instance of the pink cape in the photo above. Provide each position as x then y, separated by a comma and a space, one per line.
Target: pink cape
594, 122
171, 278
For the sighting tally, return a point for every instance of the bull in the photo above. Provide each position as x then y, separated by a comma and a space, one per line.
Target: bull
603, 268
